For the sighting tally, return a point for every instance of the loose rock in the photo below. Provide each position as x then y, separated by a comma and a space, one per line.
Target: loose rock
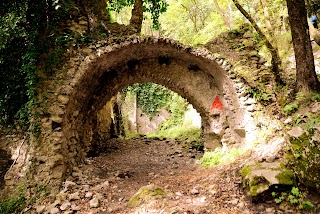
40, 209
88, 195
74, 196
54, 210
194, 191
94, 203
65, 206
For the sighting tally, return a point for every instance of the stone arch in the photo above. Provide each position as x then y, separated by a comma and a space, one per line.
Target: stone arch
194, 74
97, 72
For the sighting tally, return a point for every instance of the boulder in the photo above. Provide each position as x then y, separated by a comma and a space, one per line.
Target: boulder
304, 158
146, 194
258, 178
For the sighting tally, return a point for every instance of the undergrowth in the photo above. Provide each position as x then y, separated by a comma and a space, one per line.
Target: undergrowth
295, 197
298, 110
220, 156
14, 204
179, 132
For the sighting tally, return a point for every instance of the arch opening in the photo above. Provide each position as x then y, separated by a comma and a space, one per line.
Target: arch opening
148, 110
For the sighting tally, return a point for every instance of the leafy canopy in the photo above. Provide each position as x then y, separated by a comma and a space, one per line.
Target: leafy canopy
154, 7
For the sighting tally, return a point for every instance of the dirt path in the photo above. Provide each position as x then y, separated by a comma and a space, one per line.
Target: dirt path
108, 181
140, 162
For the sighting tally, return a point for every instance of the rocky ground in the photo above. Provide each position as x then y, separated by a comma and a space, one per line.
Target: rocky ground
171, 177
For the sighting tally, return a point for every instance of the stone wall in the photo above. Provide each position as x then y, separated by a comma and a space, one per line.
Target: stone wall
105, 121
129, 113
145, 125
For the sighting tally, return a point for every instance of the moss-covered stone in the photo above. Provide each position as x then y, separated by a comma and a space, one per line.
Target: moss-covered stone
245, 171
258, 178
304, 157
258, 185
286, 177
146, 193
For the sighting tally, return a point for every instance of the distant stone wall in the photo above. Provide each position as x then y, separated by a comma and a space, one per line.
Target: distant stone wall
129, 113
105, 120
145, 125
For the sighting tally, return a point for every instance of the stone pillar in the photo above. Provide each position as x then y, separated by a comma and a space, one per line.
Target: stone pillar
214, 129
129, 113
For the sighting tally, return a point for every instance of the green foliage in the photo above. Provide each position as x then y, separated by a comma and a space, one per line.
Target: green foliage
17, 63
290, 108
23, 31
190, 134
261, 94
219, 157
295, 197
245, 171
197, 23
306, 205
313, 6
315, 96
61, 43
118, 5
15, 204
177, 106
152, 97
121, 17
313, 121
154, 7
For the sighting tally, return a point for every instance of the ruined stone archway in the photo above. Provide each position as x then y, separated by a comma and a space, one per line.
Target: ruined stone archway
96, 73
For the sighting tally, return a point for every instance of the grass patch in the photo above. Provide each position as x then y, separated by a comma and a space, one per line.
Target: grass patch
179, 132
219, 157
14, 204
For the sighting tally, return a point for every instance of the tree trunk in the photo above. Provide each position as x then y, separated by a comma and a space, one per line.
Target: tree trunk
117, 129
193, 18
137, 15
267, 17
222, 14
306, 78
271, 30
275, 59
308, 8
95, 12
230, 13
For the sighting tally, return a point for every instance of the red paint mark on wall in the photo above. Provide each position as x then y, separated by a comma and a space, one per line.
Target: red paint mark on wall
217, 104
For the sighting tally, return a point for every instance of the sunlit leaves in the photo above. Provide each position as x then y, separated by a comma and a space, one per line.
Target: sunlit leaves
154, 7
195, 24
11, 25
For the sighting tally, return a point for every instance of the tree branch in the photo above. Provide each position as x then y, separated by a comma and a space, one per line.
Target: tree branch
275, 59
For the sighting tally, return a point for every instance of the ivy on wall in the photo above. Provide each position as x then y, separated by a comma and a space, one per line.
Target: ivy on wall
151, 98
24, 25
17, 61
